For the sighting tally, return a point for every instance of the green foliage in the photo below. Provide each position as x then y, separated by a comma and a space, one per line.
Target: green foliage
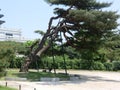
47, 62
14, 46
98, 66
8, 51
112, 47
40, 32
28, 43
86, 64
1, 21
90, 30
116, 65
5, 56
6, 88
2, 74
94, 65
16, 62
80, 4
108, 66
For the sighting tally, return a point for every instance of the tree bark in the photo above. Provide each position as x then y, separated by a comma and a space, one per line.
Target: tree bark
24, 67
50, 35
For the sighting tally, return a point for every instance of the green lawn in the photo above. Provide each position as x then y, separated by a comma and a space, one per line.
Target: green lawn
6, 88
32, 75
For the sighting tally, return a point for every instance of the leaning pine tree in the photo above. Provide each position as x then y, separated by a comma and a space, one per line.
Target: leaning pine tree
83, 24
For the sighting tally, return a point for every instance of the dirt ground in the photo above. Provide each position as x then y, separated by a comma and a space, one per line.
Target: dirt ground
89, 80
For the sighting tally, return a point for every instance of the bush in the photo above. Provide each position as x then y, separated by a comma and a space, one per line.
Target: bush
108, 66
98, 66
16, 62
116, 65
2, 65
59, 63
3, 73
86, 64
1, 68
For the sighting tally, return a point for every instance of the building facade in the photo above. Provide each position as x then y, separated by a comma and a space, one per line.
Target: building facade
11, 35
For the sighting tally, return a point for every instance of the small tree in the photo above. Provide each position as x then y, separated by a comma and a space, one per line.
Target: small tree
8, 51
5, 56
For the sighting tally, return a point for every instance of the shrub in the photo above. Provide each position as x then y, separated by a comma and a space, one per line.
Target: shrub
3, 65
86, 64
116, 65
98, 66
3, 73
16, 62
2, 70
108, 66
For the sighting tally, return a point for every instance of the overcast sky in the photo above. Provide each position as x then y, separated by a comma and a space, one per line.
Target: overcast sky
31, 15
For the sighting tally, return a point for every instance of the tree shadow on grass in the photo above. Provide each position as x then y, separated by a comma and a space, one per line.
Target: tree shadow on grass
35, 76
83, 79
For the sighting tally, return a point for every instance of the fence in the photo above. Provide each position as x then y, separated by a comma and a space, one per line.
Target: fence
16, 85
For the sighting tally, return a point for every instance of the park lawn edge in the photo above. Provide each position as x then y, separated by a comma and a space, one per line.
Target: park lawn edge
6, 88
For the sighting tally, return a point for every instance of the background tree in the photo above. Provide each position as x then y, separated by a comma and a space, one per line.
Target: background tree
83, 24
8, 52
1, 21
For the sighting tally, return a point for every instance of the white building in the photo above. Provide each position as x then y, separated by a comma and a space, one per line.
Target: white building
11, 35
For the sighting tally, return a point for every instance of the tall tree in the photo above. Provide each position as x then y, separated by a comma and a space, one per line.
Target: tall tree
83, 24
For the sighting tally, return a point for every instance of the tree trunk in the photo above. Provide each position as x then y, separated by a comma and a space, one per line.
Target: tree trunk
24, 67
31, 58
50, 36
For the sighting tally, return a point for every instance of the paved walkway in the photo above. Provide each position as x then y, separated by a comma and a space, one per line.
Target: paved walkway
90, 80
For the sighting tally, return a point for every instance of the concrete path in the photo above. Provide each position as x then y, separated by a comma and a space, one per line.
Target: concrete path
90, 80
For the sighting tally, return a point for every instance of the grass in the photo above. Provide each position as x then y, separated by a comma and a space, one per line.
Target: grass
6, 88
33, 75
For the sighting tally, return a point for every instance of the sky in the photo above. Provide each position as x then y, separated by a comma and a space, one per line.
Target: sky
31, 15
